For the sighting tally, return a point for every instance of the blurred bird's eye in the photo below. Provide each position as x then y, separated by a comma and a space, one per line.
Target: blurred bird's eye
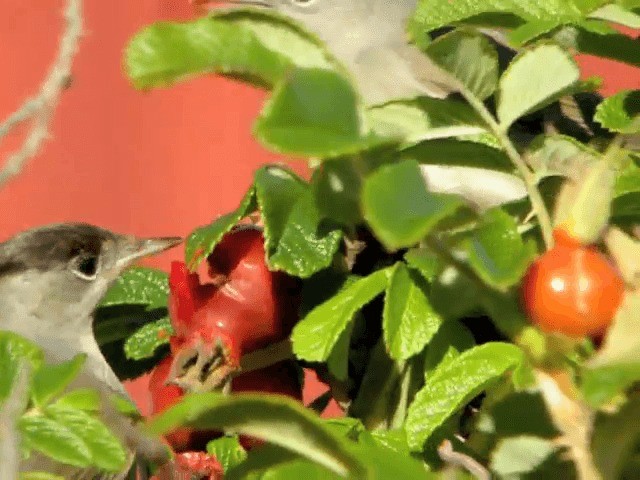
85, 266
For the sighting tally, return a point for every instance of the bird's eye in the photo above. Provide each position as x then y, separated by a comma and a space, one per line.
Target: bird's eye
85, 266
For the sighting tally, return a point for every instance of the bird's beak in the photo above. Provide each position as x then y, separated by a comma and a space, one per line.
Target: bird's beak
133, 248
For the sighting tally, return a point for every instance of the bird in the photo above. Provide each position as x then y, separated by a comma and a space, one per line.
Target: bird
52, 279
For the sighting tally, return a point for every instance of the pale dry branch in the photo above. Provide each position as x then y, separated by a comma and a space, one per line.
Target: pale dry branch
39, 109
10, 411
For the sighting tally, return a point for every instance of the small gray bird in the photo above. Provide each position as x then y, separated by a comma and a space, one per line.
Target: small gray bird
51, 280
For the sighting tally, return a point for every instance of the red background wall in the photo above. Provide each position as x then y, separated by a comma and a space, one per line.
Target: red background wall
156, 163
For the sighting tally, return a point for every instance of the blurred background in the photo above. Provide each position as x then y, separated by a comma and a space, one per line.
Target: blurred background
145, 163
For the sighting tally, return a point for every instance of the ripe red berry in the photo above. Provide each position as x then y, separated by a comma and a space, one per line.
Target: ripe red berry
572, 289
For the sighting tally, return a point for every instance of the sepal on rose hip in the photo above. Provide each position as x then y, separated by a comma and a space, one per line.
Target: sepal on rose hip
203, 364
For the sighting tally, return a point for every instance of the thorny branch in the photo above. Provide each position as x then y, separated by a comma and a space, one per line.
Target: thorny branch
39, 108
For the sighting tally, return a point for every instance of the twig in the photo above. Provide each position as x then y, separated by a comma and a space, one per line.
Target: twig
40, 108
544, 219
10, 410
450, 456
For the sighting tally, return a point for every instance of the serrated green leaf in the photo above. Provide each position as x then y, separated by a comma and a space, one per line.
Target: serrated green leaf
139, 286
277, 420
315, 336
314, 113
616, 365
520, 455
145, 342
54, 439
451, 339
227, 451
336, 188
455, 383
412, 121
305, 247
398, 206
203, 240
80, 399
104, 448
13, 350
497, 252
469, 58
424, 261
525, 87
408, 319
615, 438
620, 112
256, 45
50, 380
433, 14
617, 14
458, 152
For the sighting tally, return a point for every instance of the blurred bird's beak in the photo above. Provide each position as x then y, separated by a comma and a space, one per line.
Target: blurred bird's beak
132, 248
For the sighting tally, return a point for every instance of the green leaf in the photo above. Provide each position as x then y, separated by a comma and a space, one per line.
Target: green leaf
139, 286
424, 261
525, 87
531, 30
395, 440
256, 45
104, 448
553, 155
469, 58
451, 339
54, 439
408, 320
454, 384
315, 336
620, 112
458, 152
398, 206
497, 252
50, 380
277, 420
615, 439
338, 360
145, 342
277, 191
617, 364
203, 240
411, 121
314, 113
516, 456
81, 399
227, 451
13, 350
305, 247
617, 14
336, 188
39, 476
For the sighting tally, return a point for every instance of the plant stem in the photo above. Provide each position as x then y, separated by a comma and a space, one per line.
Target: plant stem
544, 219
